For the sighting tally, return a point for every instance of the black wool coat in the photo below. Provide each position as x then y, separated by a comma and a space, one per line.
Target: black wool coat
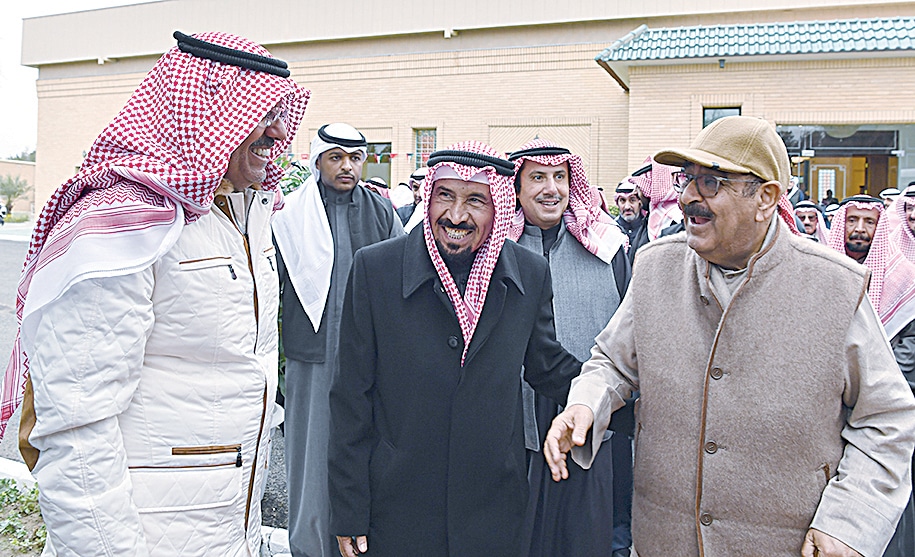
427, 457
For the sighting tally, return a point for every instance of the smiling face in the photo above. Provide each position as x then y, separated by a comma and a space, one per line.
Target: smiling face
543, 193
729, 228
248, 163
340, 170
461, 215
860, 225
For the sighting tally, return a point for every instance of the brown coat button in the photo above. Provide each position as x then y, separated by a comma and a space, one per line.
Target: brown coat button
711, 447
705, 519
716, 373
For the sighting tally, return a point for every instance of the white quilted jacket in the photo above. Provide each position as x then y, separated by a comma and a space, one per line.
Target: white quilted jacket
154, 396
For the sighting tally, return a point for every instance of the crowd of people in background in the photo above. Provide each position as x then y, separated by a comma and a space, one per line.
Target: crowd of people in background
470, 357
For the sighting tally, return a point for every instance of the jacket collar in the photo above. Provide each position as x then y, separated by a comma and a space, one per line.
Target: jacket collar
418, 268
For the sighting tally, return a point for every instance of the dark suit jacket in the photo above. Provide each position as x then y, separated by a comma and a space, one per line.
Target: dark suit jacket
427, 457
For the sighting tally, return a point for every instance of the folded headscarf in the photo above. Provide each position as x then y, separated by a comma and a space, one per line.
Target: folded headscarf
657, 184
153, 169
822, 231
901, 235
594, 229
892, 286
471, 161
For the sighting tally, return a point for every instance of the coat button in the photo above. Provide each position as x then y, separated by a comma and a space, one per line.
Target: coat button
453, 342
705, 519
704, 300
264, 201
716, 373
711, 447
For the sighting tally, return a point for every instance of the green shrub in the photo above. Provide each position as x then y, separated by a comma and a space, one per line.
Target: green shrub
21, 528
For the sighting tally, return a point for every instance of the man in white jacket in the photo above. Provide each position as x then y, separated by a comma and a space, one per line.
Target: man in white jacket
147, 350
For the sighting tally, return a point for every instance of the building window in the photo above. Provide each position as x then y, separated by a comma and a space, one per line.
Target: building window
709, 115
826, 179
424, 146
377, 162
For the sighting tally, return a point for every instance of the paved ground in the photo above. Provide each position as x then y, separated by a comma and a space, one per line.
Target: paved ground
13, 248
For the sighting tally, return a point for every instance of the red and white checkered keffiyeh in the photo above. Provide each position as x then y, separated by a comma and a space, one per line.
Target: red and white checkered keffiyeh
153, 169
901, 235
501, 189
892, 286
658, 186
584, 219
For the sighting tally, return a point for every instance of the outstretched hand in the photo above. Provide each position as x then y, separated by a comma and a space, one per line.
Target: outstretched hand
819, 544
569, 428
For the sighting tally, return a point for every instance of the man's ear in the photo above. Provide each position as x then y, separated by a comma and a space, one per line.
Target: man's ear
767, 196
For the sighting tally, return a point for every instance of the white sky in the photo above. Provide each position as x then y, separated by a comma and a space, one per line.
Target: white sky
18, 99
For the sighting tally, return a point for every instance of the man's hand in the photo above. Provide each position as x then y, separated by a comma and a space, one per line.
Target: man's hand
570, 427
348, 549
819, 544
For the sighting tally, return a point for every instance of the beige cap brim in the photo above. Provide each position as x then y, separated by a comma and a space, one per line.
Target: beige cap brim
683, 157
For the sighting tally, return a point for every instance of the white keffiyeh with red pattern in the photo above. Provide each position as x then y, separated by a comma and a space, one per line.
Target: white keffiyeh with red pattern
900, 233
892, 286
153, 169
584, 218
664, 202
501, 189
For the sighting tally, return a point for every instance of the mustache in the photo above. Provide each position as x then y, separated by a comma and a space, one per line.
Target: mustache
264, 141
858, 236
462, 226
547, 197
695, 210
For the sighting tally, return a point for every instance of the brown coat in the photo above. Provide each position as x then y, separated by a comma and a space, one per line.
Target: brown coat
743, 410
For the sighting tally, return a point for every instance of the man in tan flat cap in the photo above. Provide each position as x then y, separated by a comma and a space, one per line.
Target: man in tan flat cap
759, 431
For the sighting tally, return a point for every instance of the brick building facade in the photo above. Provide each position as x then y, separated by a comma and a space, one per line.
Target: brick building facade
418, 75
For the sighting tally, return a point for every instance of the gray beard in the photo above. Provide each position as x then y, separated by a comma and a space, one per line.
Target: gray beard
629, 218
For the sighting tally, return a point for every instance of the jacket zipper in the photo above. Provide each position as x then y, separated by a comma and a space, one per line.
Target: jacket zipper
210, 449
254, 465
260, 431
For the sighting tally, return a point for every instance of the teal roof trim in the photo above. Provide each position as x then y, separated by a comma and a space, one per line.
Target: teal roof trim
763, 39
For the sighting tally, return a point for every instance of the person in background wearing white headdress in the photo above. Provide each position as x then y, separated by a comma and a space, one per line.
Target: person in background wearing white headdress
559, 215
814, 225
903, 235
378, 185
889, 195
427, 452
633, 219
325, 221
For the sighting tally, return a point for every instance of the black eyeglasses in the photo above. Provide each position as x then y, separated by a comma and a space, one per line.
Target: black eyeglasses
706, 184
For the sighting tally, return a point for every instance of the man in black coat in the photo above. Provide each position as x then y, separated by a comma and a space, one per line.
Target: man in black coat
427, 449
